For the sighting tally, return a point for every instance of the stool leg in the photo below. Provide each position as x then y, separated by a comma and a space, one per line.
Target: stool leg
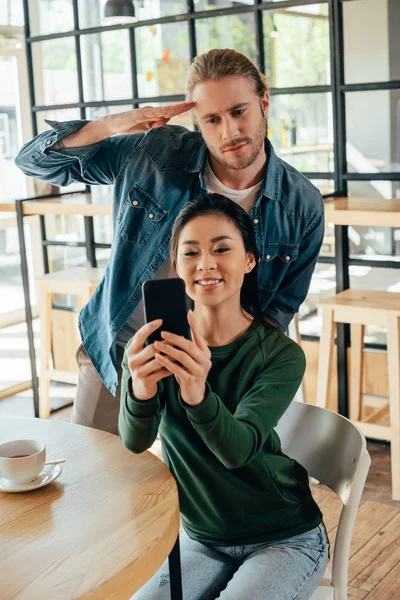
45, 350
393, 350
326, 343
84, 298
357, 345
294, 334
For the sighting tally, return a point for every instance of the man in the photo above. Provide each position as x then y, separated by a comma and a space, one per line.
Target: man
155, 169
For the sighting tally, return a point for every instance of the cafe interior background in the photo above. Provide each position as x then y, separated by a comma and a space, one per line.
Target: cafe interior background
334, 72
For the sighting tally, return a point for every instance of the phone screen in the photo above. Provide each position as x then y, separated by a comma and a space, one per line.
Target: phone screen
166, 299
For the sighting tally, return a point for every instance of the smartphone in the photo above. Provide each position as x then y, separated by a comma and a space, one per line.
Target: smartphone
166, 299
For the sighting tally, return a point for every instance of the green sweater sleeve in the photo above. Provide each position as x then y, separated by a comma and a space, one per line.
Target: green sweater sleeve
237, 438
138, 419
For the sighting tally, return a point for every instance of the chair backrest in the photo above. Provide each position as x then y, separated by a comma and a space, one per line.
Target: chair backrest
328, 445
334, 452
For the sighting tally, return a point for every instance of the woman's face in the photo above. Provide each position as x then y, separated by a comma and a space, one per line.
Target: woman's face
212, 260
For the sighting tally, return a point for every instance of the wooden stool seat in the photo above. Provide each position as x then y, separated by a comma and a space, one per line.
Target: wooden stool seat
80, 282
360, 308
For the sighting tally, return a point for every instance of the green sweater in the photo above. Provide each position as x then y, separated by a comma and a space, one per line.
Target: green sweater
235, 484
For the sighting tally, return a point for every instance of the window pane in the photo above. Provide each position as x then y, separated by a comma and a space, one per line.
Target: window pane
374, 189
96, 112
11, 13
50, 16
301, 130
65, 114
296, 46
102, 257
235, 31
371, 56
54, 71
13, 182
91, 12
185, 119
11, 290
213, 4
372, 127
375, 243
151, 9
106, 66
325, 186
162, 59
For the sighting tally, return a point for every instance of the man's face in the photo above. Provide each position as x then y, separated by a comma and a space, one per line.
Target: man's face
232, 120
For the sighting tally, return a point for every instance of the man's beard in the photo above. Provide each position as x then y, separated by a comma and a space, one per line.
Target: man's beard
257, 143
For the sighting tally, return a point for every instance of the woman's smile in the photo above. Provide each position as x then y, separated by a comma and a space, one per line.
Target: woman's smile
208, 284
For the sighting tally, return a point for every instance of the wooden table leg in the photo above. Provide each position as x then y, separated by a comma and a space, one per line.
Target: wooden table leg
175, 575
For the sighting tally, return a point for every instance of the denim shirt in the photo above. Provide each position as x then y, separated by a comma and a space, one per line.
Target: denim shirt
154, 174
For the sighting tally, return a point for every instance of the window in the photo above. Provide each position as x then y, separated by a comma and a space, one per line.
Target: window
162, 59
50, 16
106, 66
233, 31
296, 46
301, 130
146, 63
55, 71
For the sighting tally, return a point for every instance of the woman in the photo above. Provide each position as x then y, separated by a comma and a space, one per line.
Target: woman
252, 529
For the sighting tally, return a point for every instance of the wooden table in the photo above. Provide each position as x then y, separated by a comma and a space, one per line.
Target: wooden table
67, 204
64, 204
362, 212
100, 531
356, 212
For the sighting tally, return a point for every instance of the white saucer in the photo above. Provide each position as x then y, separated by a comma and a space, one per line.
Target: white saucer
49, 474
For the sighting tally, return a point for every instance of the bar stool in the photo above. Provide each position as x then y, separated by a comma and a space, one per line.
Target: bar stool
294, 334
360, 308
80, 282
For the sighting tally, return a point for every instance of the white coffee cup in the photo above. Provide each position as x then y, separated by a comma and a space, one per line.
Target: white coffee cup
21, 461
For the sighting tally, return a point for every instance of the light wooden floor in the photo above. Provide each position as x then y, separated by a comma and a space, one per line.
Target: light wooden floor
374, 569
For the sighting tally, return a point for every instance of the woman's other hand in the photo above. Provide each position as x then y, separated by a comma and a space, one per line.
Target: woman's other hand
189, 361
145, 370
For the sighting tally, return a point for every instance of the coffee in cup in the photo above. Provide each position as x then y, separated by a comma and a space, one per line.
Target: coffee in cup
21, 461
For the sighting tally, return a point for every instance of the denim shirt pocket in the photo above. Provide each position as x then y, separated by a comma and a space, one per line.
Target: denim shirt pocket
139, 217
275, 263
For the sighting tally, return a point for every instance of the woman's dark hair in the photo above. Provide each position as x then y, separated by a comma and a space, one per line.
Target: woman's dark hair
211, 204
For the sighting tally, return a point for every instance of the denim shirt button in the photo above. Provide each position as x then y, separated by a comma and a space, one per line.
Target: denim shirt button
151, 216
134, 297
268, 257
48, 142
255, 221
135, 202
154, 265
287, 258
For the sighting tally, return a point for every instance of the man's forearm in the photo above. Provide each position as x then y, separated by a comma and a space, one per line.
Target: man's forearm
91, 133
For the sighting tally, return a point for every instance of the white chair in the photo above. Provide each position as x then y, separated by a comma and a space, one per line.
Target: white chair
334, 452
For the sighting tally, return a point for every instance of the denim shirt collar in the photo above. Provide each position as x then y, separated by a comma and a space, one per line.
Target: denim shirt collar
271, 188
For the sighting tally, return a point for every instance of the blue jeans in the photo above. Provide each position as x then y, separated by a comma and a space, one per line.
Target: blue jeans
287, 569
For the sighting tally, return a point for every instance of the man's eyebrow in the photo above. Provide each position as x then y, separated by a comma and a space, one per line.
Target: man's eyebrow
213, 240
235, 107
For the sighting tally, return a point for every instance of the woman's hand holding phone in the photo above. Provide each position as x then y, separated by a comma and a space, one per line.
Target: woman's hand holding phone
189, 361
145, 370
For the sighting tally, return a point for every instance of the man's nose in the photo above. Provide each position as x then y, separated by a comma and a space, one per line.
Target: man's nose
230, 129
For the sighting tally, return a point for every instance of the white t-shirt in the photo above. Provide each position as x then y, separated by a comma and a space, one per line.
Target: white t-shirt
246, 198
